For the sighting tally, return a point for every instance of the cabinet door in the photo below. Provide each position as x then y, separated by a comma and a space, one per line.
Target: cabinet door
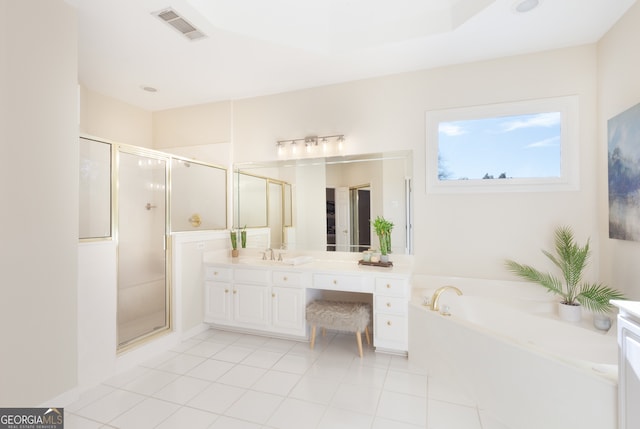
288, 308
390, 332
251, 304
629, 383
217, 302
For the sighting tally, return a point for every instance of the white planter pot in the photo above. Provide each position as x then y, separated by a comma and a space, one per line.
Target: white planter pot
570, 313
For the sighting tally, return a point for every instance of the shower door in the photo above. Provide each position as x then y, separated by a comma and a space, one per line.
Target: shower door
143, 293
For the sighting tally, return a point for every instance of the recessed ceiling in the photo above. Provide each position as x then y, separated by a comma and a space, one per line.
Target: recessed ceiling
259, 47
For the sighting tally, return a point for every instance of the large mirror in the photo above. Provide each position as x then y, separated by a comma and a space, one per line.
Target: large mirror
327, 203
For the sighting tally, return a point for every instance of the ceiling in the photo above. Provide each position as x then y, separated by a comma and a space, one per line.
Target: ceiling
259, 47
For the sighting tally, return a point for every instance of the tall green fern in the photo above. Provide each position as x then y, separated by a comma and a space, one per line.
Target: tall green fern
571, 259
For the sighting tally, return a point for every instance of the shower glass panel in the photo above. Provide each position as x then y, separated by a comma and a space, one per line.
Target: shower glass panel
95, 189
198, 196
142, 229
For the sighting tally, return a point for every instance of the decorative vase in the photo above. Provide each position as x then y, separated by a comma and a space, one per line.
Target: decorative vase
569, 313
384, 258
235, 253
602, 322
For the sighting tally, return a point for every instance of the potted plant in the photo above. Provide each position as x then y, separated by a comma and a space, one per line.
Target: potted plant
571, 259
383, 229
243, 237
234, 243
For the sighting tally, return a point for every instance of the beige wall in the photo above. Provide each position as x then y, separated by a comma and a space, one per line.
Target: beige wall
113, 120
39, 220
199, 125
618, 89
458, 234
461, 234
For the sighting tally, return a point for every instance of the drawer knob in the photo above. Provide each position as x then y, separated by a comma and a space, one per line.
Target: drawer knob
273, 295
388, 304
389, 322
335, 282
388, 286
226, 291
285, 278
235, 291
215, 273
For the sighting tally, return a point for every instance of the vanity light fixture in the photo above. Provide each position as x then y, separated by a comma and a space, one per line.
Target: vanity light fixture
310, 144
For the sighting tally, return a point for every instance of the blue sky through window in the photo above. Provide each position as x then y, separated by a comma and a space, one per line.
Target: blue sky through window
521, 146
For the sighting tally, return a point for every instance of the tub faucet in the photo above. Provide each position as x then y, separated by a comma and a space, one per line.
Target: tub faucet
436, 296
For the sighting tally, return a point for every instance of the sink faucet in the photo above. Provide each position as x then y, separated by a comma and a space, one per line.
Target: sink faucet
270, 251
436, 296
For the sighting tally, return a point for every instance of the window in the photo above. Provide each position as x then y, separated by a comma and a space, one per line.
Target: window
521, 146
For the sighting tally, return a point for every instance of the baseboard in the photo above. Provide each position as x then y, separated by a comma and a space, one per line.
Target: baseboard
198, 329
64, 399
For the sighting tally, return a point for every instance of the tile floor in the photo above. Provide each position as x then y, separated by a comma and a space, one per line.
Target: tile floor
225, 380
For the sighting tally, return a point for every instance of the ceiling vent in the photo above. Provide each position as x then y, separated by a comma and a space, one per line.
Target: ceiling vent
172, 18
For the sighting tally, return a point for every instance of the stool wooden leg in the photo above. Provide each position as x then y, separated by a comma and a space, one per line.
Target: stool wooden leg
359, 340
366, 334
313, 336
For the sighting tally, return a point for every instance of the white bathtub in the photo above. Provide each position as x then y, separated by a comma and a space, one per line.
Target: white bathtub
518, 362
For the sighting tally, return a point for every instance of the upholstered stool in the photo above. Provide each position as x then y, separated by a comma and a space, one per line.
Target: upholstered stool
340, 316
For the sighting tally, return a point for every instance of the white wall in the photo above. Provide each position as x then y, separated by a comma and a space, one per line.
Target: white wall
39, 189
618, 89
113, 120
199, 125
97, 307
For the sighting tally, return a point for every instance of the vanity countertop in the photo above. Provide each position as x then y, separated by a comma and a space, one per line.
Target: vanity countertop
632, 308
324, 263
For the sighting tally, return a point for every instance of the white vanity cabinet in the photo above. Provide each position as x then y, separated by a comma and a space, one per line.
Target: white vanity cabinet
237, 297
391, 313
255, 298
217, 294
288, 303
629, 364
272, 298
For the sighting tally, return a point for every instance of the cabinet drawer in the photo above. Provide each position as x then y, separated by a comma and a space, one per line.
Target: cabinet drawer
341, 282
389, 327
391, 305
287, 278
242, 275
391, 286
218, 274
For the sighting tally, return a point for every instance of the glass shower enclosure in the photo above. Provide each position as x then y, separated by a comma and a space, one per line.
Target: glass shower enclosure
142, 234
137, 198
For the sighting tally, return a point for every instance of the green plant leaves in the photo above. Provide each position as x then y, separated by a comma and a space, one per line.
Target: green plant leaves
571, 259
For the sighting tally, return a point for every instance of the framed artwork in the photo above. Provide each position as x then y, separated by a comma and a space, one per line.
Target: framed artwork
623, 134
